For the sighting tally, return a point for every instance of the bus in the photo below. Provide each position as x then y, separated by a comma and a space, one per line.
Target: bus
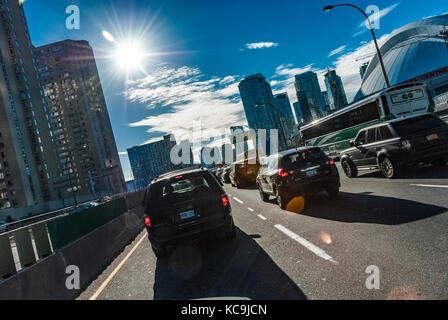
334, 132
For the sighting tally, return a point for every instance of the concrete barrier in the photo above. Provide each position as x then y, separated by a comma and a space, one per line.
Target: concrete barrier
92, 253
135, 199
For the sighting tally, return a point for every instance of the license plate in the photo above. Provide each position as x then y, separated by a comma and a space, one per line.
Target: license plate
432, 137
311, 173
187, 214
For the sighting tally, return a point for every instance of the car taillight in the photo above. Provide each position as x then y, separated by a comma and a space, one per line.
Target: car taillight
283, 173
225, 201
331, 162
147, 222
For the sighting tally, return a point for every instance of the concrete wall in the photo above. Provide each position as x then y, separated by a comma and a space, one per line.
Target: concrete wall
91, 254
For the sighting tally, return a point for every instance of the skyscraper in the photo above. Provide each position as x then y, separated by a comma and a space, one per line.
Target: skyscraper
258, 101
82, 132
27, 157
298, 112
335, 89
362, 70
286, 116
151, 160
310, 95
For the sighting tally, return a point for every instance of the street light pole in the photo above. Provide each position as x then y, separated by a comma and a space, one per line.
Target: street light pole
279, 120
380, 57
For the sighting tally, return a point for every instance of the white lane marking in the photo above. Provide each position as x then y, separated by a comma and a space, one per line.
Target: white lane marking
238, 200
430, 186
110, 277
261, 217
314, 249
250, 209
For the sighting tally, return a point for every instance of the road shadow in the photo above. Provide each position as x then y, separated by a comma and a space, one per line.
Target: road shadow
217, 267
367, 208
414, 172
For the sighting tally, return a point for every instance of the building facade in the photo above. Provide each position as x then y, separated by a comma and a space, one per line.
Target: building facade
287, 118
27, 155
310, 95
258, 101
335, 89
85, 145
151, 160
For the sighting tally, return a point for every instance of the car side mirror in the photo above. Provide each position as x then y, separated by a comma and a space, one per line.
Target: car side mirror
352, 143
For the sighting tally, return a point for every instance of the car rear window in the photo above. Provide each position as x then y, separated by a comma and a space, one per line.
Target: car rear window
301, 159
182, 188
415, 125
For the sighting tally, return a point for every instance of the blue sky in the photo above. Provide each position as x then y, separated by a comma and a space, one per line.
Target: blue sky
198, 50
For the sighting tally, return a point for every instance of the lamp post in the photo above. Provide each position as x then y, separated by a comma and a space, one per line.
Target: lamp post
279, 120
380, 57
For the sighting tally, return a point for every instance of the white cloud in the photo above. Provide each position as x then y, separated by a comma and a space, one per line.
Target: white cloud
261, 45
381, 14
181, 96
336, 51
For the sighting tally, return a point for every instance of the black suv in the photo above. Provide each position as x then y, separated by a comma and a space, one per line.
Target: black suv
392, 145
185, 205
297, 172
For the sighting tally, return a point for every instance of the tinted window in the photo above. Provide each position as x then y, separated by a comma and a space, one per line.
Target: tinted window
361, 138
384, 133
182, 188
371, 135
301, 159
414, 125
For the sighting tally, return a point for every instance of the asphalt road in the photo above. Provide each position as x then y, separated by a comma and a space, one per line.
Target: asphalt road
399, 226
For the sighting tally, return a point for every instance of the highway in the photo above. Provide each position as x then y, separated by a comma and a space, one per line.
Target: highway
399, 226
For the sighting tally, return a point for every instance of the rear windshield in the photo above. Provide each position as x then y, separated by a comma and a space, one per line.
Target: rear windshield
183, 188
415, 125
301, 159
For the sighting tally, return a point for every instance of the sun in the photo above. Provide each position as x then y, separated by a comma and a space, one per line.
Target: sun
129, 56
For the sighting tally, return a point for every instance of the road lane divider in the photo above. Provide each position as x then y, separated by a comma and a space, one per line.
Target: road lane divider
308, 245
261, 217
238, 200
112, 275
430, 186
250, 209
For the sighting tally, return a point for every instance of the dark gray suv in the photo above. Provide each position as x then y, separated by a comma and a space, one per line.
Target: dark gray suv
185, 205
391, 145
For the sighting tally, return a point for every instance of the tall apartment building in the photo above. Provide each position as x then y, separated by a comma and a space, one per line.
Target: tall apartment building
286, 117
309, 94
151, 160
27, 157
335, 89
86, 151
258, 101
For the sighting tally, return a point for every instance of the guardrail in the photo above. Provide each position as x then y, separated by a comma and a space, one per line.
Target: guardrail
26, 245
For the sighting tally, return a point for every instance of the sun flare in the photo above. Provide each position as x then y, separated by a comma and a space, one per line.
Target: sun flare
129, 56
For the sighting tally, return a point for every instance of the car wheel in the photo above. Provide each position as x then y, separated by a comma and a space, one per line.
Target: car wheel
263, 195
231, 234
333, 192
281, 199
388, 168
349, 169
160, 252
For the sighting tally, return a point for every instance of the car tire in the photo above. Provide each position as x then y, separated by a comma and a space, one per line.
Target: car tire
160, 252
231, 234
349, 168
264, 197
281, 199
388, 168
333, 192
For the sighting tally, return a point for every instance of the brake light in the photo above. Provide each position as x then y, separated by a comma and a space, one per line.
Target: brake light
148, 222
283, 173
225, 201
332, 162
178, 177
